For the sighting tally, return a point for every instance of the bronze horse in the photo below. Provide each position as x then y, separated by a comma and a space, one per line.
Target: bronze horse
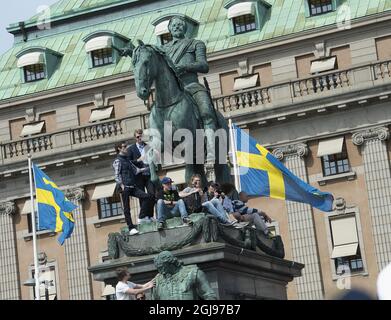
173, 104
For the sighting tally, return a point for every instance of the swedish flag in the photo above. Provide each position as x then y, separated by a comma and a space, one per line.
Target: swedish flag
261, 174
55, 210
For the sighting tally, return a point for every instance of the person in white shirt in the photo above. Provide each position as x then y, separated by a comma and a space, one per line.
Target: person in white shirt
125, 290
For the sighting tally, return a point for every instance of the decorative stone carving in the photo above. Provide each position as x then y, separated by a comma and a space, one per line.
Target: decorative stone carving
42, 258
299, 149
381, 133
76, 194
340, 204
99, 100
320, 51
243, 68
30, 115
7, 208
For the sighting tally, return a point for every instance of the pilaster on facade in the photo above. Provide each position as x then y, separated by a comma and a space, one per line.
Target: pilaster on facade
302, 227
76, 251
293, 150
378, 183
9, 282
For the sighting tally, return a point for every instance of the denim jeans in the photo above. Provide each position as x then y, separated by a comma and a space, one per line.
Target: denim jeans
164, 212
215, 207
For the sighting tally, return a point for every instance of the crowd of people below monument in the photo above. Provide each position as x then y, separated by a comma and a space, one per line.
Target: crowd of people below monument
132, 176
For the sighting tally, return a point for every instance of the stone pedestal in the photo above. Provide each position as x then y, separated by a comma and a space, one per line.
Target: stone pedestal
234, 273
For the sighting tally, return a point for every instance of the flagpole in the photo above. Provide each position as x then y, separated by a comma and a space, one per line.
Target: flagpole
36, 267
233, 150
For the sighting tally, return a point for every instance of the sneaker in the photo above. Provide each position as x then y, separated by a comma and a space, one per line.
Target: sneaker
187, 221
240, 225
160, 226
133, 231
228, 223
270, 235
143, 220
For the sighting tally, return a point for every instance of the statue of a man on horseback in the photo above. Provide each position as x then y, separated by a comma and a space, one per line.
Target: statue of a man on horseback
189, 58
181, 101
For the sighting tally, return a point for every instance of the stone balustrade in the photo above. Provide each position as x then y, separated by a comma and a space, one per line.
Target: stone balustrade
49, 143
382, 70
328, 84
242, 99
322, 83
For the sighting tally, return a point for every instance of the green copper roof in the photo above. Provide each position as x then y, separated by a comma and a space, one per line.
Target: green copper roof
72, 7
286, 17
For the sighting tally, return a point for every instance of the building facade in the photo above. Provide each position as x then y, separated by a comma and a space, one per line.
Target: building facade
310, 80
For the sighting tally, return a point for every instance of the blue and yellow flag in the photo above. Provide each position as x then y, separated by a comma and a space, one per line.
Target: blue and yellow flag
261, 174
55, 210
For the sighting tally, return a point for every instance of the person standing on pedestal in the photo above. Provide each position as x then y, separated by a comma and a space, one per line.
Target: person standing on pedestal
136, 153
125, 176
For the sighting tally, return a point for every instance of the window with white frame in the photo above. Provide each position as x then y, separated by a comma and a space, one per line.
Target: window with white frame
37, 63
100, 45
102, 57
109, 201
334, 156
110, 207
34, 72
243, 17
346, 251
48, 283
244, 23
320, 6
27, 212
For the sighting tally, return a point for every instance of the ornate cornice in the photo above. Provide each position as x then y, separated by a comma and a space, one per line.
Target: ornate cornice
75, 194
7, 208
299, 150
381, 133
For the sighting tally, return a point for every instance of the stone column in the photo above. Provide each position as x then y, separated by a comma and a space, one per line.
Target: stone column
76, 252
302, 228
9, 282
378, 183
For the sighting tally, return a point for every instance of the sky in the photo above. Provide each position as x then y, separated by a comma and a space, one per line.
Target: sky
15, 11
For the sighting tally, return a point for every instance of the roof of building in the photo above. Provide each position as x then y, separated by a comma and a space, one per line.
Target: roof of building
286, 17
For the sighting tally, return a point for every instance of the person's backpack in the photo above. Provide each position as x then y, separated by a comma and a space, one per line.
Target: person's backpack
193, 203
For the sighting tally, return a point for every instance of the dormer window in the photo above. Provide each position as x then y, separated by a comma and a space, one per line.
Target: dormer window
102, 57
320, 6
317, 7
166, 38
163, 33
246, 16
34, 72
244, 23
99, 47
37, 63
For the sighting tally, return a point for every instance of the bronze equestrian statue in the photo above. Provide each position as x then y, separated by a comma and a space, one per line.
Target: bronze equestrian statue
181, 100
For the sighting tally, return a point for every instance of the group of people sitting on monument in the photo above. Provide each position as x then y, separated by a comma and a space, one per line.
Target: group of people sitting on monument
132, 176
